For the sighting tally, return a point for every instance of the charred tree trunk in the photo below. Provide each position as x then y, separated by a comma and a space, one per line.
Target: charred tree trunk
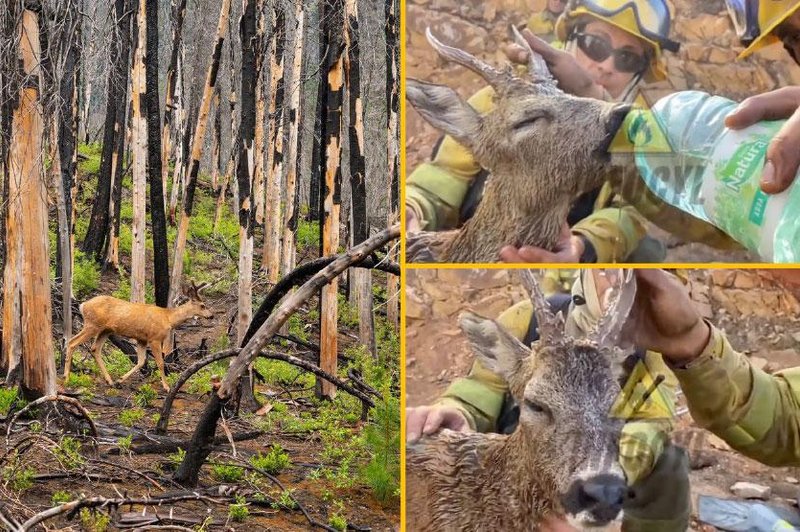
361, 280
158, 222
261, 116
216, 152
182, 128
231, 166
94, 242
331, 194
244, 168
294, 83
178, 16
27, 327
197, 147
393, 147
271, 252
120, 133
139, 142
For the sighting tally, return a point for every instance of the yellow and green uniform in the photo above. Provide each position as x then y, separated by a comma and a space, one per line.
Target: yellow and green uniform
758, 414
436, 192
543, 24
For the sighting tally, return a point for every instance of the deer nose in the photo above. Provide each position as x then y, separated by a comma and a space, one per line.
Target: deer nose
616, 117
602, 496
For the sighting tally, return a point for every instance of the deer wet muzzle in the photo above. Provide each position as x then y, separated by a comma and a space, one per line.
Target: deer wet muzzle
596, 501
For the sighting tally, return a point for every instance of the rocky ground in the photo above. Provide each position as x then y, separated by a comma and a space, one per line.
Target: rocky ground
758, 310
706, 61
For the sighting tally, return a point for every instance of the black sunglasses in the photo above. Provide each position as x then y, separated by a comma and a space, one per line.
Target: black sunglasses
598, 50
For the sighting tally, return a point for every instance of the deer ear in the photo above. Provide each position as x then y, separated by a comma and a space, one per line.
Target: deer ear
444, 109
494, 346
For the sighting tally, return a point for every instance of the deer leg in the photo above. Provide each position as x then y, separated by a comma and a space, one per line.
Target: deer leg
155, 347
78, 339
141, 357
98, 356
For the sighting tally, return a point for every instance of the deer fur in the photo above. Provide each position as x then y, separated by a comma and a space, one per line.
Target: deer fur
542, 148
564, 446
149, 325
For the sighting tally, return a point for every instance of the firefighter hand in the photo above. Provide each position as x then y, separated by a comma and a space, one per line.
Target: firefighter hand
412, 222
571, 77
783, 153
568, 249
426, 420
664, 318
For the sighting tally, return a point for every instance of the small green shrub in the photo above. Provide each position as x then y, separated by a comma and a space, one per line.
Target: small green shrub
77, 380
338, 522
61, 497
18, 478
238, 511
177, 457
94, 520
68, 453
85, 275
227, 472
125, 443
145, 395
275, 461
8, 397
131, 416
307, 234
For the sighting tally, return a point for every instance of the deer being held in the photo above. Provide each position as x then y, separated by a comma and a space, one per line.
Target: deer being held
541, 146
561, 459
149, 325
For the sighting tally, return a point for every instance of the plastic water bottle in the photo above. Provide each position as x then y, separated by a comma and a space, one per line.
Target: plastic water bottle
689, 159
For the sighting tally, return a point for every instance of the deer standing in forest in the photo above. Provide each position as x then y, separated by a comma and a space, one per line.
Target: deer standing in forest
149, 325
542, 148
561, 459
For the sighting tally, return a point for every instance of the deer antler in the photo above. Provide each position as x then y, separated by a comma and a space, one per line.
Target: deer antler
494, 77
551, 326
537, 66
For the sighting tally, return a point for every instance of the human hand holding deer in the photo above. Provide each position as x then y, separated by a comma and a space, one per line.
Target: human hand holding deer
664, 318
571, 77
426, 420
569, 248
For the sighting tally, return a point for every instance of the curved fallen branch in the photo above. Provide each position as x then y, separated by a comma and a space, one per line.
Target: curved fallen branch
203, 436
300, 275
166, 409
50, 398
95, 502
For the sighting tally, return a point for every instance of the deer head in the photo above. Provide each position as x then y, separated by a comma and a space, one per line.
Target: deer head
565, 388
545, 146
195, 306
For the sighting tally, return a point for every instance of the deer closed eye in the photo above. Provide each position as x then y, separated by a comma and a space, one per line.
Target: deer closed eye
530, 120
536, 407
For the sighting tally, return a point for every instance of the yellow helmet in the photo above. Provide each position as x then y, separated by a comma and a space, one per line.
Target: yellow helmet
755, 21
649, 20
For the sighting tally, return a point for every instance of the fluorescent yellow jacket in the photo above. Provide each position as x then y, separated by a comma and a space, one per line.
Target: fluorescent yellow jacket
758, 414
436, 190
481, 394
543, 24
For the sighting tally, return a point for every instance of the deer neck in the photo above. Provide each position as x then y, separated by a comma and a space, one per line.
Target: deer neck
523, 486
504, 217
181, 314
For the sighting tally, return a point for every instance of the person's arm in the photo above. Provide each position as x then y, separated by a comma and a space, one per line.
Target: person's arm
758, 414
613, 232
435, 190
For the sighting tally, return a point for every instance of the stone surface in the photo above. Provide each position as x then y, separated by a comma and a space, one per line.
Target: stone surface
748, 490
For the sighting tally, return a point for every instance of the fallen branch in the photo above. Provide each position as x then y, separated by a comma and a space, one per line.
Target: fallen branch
203, 436
166, 409
46, 399
95, 502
